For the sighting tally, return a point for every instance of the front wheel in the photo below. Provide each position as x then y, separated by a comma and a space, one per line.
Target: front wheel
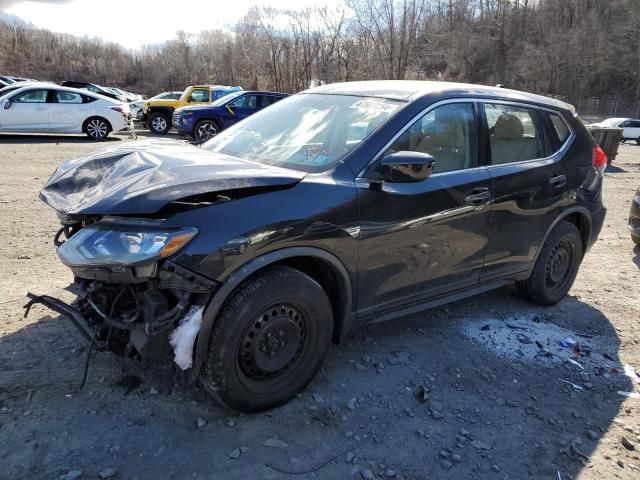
556, 268
205, 129
97, 128
159, 123
268, 341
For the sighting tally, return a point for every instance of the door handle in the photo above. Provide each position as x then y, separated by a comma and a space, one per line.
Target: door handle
478, 196
558, 181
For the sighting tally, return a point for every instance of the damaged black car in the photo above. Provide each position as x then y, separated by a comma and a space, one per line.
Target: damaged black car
243, 259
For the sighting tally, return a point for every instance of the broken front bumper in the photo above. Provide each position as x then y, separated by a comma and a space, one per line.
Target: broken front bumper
115, 311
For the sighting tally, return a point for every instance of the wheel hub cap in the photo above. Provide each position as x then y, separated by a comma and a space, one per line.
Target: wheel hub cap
272, 343
558, 264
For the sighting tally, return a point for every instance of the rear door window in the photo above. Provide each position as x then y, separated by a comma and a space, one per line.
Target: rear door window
514, 132
67, 97
268, 100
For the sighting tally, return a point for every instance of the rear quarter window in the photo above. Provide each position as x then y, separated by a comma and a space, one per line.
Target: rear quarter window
560, 129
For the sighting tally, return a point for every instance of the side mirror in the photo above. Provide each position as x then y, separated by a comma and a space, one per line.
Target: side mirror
7, 104
407, 167
229, 109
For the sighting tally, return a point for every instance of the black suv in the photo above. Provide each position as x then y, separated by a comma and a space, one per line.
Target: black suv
341, 205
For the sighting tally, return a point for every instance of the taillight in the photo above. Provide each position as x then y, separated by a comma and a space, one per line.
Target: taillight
599, 158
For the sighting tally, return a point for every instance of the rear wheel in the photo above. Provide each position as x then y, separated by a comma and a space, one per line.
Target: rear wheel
556, 268
159, 123
205, 129
268, 341
97, 128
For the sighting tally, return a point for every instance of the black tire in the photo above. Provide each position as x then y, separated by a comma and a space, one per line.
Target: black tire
205, 129
268, 341
635, 238
637, 141
96, 128
556, 268
159, 123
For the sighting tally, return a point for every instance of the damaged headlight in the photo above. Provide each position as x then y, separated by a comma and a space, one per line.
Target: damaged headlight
108, 244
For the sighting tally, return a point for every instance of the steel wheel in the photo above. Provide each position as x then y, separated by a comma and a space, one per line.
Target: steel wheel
268, 341
272, 343
558, 266
205, 130
97, 128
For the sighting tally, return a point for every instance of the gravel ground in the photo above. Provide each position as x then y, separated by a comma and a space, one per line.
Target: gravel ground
457, 392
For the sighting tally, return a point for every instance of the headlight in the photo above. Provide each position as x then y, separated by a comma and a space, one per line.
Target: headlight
102, 245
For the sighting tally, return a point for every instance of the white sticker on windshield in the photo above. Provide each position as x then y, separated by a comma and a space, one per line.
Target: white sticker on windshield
375, 105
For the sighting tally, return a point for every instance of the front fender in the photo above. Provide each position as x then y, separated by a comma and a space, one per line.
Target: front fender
259, 263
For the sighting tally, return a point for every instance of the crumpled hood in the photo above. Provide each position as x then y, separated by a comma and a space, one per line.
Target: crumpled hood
141, 177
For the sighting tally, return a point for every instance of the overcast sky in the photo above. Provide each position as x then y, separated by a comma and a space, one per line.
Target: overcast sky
134, 23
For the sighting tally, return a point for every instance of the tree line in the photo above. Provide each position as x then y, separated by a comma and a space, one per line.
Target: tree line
559, 47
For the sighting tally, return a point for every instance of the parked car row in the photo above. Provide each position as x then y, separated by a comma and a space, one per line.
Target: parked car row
199, 112
202, 111
41, 107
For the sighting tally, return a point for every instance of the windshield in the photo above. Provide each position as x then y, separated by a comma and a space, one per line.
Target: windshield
307, 132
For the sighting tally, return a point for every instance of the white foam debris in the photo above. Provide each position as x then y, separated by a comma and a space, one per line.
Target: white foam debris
184, 335
529, 340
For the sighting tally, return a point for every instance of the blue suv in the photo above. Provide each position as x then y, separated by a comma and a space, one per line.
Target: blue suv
204, 121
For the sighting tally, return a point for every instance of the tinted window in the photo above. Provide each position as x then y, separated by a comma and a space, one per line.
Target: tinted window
514, 134
269, 99
200, 96
560, 128
245, 101
8, 90
88, 99
32, 96
633, 124
447, 133
67, 97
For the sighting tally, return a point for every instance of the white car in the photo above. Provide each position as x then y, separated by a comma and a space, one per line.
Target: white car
630, 127
50, 108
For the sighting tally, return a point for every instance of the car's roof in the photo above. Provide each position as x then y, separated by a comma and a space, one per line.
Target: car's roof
54, 86
219, 87
261, 92
409, 90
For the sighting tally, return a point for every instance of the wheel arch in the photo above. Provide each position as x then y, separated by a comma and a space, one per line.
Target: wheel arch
88, 119
215, 120
161, 109
580, 217
319, 264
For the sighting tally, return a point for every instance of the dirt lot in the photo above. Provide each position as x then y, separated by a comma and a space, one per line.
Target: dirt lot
497, 407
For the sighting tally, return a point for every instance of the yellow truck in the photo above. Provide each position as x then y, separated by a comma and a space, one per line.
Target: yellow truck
157, 114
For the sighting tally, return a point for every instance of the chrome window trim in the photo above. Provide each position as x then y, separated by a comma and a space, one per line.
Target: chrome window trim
565, 146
